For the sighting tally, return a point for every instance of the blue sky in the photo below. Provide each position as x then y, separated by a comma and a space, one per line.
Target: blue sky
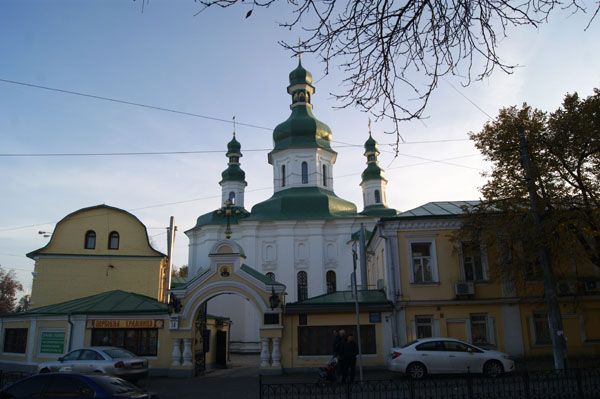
219, 64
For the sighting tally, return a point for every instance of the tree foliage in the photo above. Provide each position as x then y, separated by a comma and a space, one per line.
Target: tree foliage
9, 286
24, 304
181, 272
393, 53
564, 148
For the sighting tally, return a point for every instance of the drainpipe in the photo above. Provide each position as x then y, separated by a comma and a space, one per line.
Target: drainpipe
70, 332
393, 276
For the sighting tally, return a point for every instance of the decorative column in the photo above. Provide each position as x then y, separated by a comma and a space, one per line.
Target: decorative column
187, 352
276, 353
176, 353
264, 353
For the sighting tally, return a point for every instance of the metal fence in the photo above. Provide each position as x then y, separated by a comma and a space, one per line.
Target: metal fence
559, 384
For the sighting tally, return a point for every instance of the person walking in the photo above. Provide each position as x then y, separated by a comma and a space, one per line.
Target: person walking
348, 364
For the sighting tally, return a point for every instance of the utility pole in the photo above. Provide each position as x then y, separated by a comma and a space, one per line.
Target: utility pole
357, 312
559, 347
170, 244
363, 257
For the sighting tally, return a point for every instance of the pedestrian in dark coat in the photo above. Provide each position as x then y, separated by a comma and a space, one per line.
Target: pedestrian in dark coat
349, 353
336, 343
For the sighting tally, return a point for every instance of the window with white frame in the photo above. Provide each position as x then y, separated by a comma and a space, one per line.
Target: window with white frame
541, 329
422, 261
479, 329
473, 262
423, 326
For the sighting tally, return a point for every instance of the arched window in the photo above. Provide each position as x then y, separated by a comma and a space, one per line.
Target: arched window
304, 173
113, 240
271, 275
232, 196
377, 197
331, 284
302, 286
90, 240
325, 175
282, 175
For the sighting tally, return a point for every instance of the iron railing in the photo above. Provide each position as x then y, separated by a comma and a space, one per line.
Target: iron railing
552, 384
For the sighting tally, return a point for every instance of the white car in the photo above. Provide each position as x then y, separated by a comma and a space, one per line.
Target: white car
109, 360
445, 356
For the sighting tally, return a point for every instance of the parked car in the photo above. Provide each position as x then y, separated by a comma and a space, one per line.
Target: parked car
102, 360
63, 385
445, 356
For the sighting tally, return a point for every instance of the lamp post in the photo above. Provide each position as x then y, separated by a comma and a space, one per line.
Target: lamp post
228, 210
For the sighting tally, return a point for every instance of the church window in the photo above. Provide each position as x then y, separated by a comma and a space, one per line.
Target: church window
325, 175
304, 173
113, 240
232, 196
377, 197
302, 286
331, 284
371, 158
271, 275
90, 240
234, 159
282, 175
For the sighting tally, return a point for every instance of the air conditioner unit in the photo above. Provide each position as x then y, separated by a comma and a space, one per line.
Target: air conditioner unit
566, 288
380, 284
464, 288
591, 286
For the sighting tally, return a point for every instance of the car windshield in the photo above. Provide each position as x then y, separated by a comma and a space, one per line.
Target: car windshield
117, 386
118, 353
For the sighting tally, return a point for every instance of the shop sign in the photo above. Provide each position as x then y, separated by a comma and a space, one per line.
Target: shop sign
125, 323
374, 317
52, 342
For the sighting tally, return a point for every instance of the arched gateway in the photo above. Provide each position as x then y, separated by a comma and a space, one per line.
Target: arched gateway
226, 274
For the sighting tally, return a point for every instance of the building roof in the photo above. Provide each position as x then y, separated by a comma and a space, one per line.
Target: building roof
259, 276
342, 300
110, 302
436, 209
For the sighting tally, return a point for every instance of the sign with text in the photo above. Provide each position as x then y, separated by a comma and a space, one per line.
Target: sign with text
125, 324
52, 342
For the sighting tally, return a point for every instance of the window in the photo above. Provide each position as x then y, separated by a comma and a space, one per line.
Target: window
541, 329
377, 197
113, 240
73, 355
371, 158
282, 175
15, 340
430, 346
472, 262
422, 260
302, 286
331, 283
318, 340
141, 341
232, 197
304, 173
271, 275
325, 175
424, 326
454, 346
479, 330
90, 240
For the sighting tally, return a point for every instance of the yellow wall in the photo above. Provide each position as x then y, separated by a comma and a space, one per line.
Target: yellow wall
65, 270
289, 343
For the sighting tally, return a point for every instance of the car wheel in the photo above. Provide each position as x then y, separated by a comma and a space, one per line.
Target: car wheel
416, 370
44, 370
493, 368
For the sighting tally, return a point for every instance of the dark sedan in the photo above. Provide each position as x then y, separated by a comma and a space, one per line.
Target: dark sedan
62, 385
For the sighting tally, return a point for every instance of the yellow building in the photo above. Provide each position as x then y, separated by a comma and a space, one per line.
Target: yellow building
94, 250
441, 287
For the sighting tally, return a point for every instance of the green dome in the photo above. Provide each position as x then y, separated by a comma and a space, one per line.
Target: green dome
300, 75
372, 172
302, 130
233, 173
370, 145
233, 146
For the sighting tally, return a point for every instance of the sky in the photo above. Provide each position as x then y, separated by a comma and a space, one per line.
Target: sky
220, 64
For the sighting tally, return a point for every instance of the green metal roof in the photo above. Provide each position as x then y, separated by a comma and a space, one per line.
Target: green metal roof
234, 173
303, 203
301, 130
111, 302
300, 75
379, 210
259, 276
437, 209
213, 218
367, 300
233, 147
372, 172
371, 145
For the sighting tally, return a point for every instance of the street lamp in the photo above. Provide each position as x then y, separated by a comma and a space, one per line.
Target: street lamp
274, 300
227, 211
